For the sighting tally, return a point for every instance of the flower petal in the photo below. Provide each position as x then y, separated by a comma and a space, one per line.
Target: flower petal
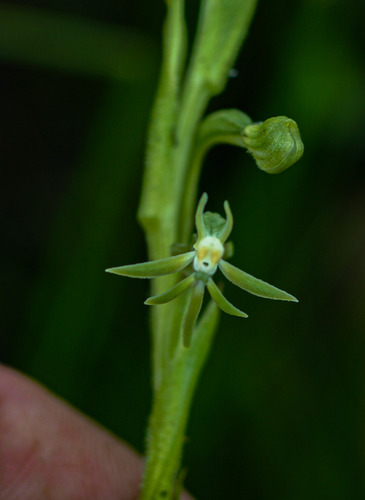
172, 293
222, 302
155, 268
226, 231
193, 312
252, 284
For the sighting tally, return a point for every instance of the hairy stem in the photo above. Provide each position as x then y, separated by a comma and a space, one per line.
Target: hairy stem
171, 408
158, 210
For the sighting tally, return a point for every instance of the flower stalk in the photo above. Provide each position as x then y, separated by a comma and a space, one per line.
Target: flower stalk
182, 328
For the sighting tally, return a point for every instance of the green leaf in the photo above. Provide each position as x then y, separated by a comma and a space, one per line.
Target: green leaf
252, 284
193, 312
222, 302
172, 293
155, 268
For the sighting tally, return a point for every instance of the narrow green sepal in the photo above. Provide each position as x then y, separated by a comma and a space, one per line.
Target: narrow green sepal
275, 144
172, 293
155, 268
228, 226
211, 223
193, 312
199, 221
222, 302
253, 285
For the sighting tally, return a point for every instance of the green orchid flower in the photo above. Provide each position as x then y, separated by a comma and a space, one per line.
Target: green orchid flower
205, 258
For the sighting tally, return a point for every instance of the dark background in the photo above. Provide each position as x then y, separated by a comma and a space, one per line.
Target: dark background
280, 409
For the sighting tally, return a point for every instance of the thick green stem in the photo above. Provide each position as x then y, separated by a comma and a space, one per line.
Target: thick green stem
171, 408
158, 210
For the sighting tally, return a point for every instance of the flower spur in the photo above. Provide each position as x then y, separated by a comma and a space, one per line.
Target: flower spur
209, 249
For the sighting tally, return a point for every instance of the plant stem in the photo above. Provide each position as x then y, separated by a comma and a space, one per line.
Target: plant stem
210, 133
158, 210
171, 407
175, 120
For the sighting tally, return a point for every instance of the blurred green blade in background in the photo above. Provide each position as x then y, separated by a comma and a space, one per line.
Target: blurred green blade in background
65, 42
65, 324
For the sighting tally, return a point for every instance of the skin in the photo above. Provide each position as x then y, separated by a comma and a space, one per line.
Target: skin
49, 451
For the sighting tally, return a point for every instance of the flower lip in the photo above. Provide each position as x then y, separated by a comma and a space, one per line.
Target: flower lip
209, 252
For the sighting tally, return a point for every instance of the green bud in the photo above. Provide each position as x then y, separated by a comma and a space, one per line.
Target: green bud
275, 144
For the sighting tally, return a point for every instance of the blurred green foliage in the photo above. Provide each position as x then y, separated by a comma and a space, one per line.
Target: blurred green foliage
280, 409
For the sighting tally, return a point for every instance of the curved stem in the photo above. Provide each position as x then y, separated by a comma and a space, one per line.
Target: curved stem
223, 127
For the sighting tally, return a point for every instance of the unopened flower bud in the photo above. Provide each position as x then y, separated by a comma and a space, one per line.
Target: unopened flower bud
275, 143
